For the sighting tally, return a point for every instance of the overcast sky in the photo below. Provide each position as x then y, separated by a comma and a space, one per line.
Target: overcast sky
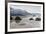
28, 8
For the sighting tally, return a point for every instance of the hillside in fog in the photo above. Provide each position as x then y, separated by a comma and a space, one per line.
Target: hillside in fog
18, 12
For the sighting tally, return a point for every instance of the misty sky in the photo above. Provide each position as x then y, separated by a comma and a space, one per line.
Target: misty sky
28, 8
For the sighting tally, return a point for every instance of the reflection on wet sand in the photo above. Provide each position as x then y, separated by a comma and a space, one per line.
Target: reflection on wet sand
24, 23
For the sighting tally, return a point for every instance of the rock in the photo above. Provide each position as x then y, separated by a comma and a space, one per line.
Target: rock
38, 19
31, 19
10, 18
18, 18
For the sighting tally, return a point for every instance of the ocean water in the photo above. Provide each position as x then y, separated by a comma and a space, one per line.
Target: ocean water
24, 23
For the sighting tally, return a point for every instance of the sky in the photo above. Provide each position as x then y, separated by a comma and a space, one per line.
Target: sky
28, 8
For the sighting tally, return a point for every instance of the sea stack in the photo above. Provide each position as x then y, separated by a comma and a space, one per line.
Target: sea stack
18, 18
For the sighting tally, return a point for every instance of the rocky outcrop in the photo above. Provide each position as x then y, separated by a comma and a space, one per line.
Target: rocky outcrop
31, 19
18, 18
38, 19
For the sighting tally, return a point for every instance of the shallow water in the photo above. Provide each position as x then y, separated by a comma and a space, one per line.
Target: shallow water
24, 23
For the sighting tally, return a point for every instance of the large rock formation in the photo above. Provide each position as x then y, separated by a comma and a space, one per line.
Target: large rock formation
18, 18
38, 19
31, 19
10, 18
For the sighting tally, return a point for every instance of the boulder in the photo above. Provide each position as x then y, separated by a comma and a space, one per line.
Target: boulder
18, 18
31, 19
10, 18
38, 19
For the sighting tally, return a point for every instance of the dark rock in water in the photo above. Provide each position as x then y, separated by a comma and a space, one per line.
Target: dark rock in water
31, 19
10, 18
18, 18
38, 19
